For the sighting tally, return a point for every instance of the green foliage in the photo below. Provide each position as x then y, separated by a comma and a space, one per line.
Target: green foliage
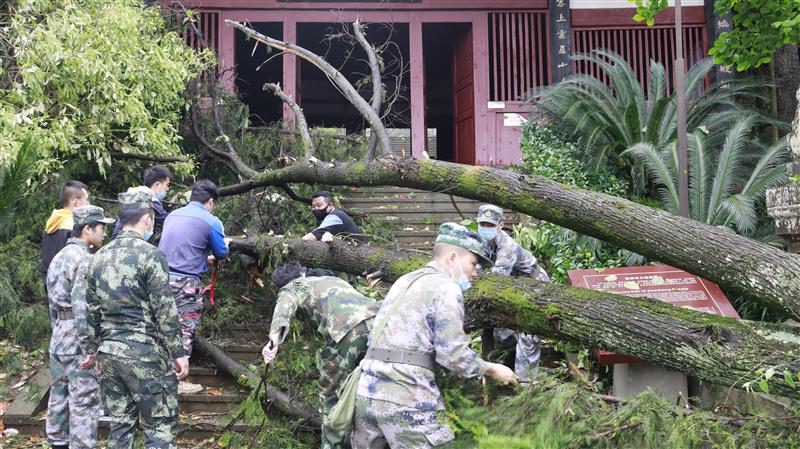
87, 78
23, 311
609, 117
553, 414
759, 28
548, 152
725, 189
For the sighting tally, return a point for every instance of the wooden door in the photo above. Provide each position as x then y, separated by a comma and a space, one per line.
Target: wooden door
463, 101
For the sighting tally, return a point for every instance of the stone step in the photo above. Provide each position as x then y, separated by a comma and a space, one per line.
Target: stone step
194, 427
246, 353
207, 402
209, 377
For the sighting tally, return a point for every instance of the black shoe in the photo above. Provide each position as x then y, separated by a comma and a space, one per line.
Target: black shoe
66, 446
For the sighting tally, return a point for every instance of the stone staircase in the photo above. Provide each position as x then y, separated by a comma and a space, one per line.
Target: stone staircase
202, 414
415, 214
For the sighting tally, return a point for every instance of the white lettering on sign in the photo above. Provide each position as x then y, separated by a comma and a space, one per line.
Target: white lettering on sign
496, 105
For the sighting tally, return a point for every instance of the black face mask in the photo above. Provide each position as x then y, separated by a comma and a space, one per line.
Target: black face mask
319, 214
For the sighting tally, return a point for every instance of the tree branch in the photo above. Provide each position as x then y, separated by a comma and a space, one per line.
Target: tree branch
334, 75
767, 275
149, 158
377, 86
712, 348
302, 124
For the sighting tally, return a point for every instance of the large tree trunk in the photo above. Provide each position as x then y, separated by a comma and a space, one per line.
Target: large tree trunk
281, 400
749, 268
787, 80
712, 348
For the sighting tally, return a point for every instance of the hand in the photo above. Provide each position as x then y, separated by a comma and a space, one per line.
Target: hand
327, 237
88, 362
501, 373
270, 351
227, 241
182, 367
212, 260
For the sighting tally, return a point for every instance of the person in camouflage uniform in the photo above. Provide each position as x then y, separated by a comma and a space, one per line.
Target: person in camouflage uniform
342, 316
74, 404
419, 325
133, 315
510, 259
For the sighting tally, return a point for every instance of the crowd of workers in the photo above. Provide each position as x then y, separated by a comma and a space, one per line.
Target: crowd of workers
125, 315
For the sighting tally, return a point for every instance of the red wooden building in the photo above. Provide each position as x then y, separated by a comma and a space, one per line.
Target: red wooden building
469, 61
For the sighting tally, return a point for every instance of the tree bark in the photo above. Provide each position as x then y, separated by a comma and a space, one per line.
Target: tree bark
787, 80
377, 85
766, 274
302, 124
281, 400
712, 348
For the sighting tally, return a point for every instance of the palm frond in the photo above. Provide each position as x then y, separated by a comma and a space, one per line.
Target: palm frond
13, 177
728, 164
740, 211
698, 177
658, 171
770, 170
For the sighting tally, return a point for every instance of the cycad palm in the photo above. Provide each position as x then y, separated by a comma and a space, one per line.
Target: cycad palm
609, 117
724, 190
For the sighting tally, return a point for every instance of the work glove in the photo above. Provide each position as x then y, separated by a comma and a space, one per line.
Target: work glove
501, 373
327, 237
271, 348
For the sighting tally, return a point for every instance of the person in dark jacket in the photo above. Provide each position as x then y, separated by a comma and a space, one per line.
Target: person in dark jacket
332, 222
157, 179
58, 228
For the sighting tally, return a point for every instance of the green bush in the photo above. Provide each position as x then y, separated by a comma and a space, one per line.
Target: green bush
548, 152
23, 311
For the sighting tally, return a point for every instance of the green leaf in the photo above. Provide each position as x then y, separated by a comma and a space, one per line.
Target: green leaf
763, 385
787, 376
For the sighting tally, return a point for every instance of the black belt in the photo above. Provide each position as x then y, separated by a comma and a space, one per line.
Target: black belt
65, 315
415, 358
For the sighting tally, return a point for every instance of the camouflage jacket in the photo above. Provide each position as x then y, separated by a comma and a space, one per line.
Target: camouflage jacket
66, 290
511, 259
131, 308
330, 303
430, 320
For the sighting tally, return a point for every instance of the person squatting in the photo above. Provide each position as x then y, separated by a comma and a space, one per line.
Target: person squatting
125, 314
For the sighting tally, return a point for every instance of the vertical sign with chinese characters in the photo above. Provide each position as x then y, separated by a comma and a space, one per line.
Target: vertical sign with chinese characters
718, 24
560, 31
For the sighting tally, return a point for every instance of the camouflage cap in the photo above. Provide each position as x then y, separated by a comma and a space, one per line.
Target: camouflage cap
489, 213
135, 200
459, 235
85, 215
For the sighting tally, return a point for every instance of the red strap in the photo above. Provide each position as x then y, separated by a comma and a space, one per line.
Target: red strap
213, 282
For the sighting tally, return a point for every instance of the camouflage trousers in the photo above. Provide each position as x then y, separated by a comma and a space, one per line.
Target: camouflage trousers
335, 362
526, 361
139, 392
189, 300
378, 423
74, 404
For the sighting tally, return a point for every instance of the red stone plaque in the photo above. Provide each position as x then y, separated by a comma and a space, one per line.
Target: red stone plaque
661, 282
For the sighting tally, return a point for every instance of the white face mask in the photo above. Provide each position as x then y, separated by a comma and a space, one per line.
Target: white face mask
462, 280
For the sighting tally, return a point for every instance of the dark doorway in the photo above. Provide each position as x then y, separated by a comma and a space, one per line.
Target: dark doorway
322, 102
440, 41
254, 69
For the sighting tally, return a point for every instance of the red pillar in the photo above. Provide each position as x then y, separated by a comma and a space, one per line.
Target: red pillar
418, 131
290, 73
226, 53
484, 128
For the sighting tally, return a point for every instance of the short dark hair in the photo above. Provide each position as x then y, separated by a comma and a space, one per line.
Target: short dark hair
204, 190
69, 191
131, 217
324, 194
155, 174
286, 273
77, 229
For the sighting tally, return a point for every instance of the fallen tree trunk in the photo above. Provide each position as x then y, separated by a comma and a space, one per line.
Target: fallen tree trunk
712, 348
760, 272
281, 400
